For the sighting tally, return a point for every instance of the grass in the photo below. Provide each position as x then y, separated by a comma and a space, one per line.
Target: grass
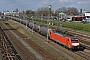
19, 28
70, 25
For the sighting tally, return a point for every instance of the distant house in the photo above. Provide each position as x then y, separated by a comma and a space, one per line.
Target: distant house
10, 13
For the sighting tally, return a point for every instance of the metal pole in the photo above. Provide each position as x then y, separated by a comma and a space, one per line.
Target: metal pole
50, 13
57, 22
48, 20
20, 21
33, 24
26, 24
48, 28
47, 36
50, 10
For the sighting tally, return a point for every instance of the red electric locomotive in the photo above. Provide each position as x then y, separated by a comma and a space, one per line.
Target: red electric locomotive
68, 41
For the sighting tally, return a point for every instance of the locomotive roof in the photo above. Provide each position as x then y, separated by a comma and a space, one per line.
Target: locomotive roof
65, 34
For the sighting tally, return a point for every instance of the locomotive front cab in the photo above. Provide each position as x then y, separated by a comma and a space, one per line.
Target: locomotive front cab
75, 43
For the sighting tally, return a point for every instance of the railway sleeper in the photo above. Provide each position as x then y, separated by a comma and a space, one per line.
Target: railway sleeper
7, 50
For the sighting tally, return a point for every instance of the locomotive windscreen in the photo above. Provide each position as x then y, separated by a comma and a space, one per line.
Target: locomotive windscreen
74, 40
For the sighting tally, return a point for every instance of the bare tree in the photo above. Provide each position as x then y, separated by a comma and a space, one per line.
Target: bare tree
42, 11
30, 13
72, 11
68, 11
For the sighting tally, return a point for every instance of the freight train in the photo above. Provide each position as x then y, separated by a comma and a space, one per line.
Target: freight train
69, 41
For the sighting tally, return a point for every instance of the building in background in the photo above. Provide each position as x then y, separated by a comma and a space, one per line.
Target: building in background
83, 11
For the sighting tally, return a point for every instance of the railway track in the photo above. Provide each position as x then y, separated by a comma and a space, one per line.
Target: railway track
40, 50
83, 54
6, 48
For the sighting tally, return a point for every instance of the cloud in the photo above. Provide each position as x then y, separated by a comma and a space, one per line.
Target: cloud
73, 5
84, 2
52, 2
45, 2
3, 1
65, 0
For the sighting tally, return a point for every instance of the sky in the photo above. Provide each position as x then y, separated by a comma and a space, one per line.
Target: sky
11, 5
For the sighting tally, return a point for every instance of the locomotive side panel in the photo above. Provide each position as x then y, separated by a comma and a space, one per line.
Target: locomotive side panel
58, 37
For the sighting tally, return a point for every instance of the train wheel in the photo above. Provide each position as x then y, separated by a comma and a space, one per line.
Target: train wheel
81, 48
